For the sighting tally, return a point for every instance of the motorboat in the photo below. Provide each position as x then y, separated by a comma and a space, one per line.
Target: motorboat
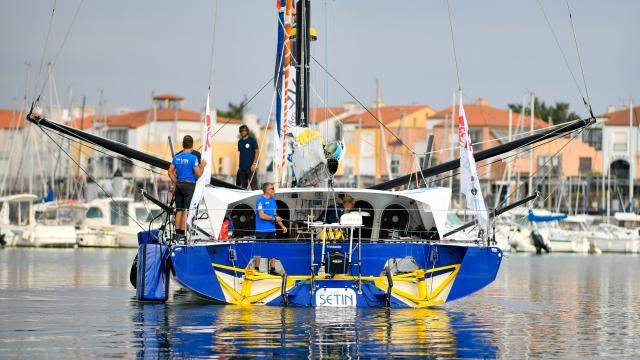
116, 221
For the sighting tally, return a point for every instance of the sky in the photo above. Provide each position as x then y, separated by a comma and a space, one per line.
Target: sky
505, 49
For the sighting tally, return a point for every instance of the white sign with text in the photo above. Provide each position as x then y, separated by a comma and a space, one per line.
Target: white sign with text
344, 297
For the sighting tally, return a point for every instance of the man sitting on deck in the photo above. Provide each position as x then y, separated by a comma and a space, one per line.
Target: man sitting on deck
266, 217
332, 214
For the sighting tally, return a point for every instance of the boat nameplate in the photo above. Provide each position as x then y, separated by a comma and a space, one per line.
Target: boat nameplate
336, 297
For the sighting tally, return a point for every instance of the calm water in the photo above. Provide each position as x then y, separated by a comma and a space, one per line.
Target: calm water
79, 304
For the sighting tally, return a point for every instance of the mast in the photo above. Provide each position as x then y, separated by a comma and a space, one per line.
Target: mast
633, 146
383, 138
509, 165
533, 101
303, 19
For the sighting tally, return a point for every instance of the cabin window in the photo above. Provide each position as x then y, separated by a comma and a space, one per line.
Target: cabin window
120, 213
394, 223
367, 220
94, 213
244, 221
19, 213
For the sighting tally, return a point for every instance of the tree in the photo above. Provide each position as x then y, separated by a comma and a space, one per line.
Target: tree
235, 111
558, 113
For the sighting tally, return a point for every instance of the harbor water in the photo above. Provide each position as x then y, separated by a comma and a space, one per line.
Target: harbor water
78, 303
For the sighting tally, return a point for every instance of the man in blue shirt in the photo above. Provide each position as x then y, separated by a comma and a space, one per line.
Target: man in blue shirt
249, 152
267, 218
184, 171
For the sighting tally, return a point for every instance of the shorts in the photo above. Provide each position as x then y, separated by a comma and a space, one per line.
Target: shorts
183, 195
265, 235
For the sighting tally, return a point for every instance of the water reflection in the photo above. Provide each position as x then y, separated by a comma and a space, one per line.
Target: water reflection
70, 303
187, 329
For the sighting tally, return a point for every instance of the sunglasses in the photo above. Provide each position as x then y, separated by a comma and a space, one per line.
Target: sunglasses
244, 130
270, 188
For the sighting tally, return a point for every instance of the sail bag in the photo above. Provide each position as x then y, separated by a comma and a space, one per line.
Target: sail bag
153, 272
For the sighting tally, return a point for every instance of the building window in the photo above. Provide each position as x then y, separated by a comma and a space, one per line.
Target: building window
338, 131
476, 138
348, 134
549, 165
126, 165
593, 137
620, 141
585, 164
347, 167
119, 135
395, 164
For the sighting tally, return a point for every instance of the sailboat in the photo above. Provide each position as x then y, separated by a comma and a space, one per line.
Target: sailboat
393, 250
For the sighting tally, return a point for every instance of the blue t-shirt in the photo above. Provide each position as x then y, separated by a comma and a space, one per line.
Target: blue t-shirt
268, 205
247, 149
184, 163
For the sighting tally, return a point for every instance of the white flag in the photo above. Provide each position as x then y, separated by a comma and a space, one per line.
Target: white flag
469, 182
205, 178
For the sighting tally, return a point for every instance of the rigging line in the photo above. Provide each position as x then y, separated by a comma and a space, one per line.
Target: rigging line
247, 103
545, 166
86, 173
575, 41
120, 157
361, 104
564, 56
64, 41
453, 45
326, 61
46, 44
66, 36
486, 163
213, 42
264, 137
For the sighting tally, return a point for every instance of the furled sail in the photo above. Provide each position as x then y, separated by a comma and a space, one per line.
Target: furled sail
285, 89
469, 182
203, 180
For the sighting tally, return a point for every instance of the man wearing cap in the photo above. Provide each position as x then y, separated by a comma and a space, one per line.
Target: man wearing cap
249, 152
184, 171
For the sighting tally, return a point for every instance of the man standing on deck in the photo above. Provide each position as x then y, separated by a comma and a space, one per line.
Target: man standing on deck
266, 217
248, 149
184, 171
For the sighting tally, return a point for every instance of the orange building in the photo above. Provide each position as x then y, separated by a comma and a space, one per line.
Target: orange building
568, 156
